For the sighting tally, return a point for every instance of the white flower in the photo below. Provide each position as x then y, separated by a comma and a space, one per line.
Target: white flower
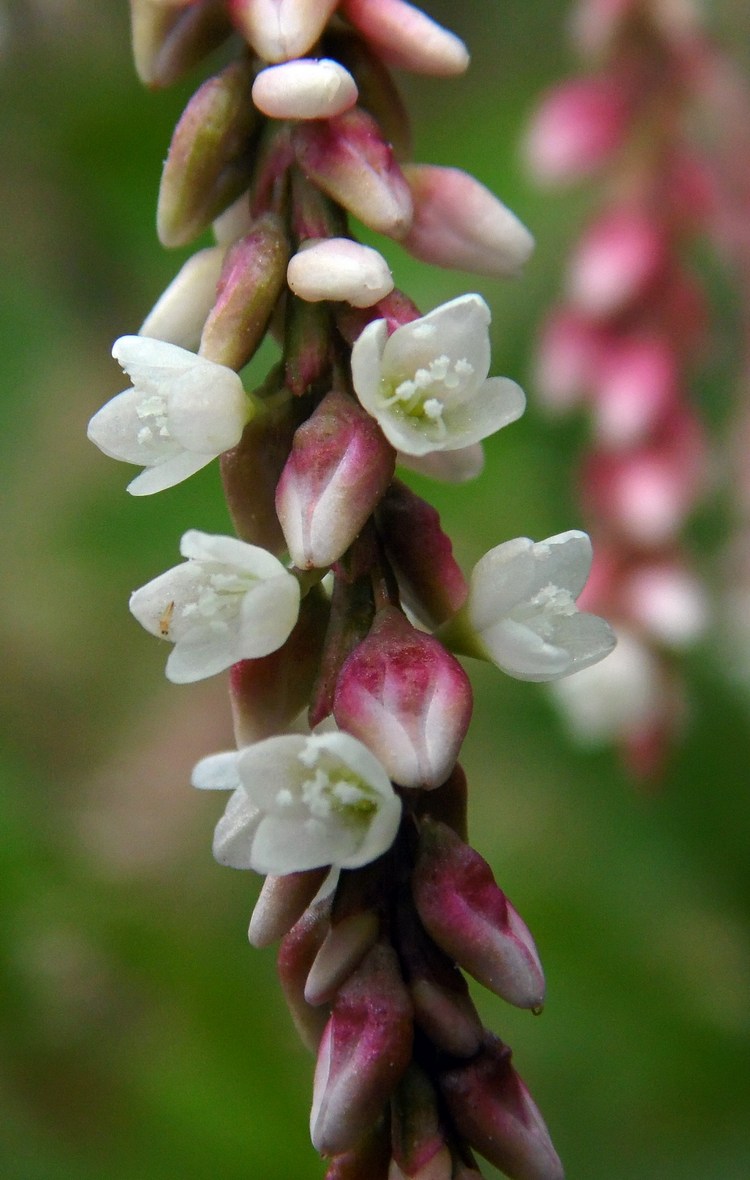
427, 384
181, 413
521, 608
229, 601
300, 803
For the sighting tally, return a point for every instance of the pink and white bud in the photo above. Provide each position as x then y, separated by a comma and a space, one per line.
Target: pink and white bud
647, 493
251, 281
295, 958
668, 601
578, 128
428, 574
492, 1108
566, 359
471, 919
634, 386
406, 37
181, 311
339, 269
418, 1144
280, 30
350, 161
407, 699
269, 693
346, 944
617, 259
208, 164
339, 467
365, 1050
169, 39
281, 904
310, 88
460, 224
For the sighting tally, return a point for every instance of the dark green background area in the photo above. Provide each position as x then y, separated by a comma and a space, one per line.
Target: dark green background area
141, 1037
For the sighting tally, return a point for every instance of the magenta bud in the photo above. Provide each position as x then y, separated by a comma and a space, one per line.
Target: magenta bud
209, 162
281, 903
346, 944
407, 699
429, 576
251, 281
471, 919
364, 1052
269, 693
617, 259
568, 352
307, 345
296, 956
350, 161
168, 40
578, 128
418, 1144
636, 384
378, 94
492, 1108
251, 470
339, 467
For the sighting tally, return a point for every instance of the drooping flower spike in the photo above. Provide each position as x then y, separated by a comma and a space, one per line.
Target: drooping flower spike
181, 413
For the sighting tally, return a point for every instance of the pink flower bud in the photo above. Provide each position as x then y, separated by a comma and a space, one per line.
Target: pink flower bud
406, 37
492, 1108
645, 494
567, 355
366, 1048
429, 576
296, 956
281, 904
459, 223
279, 30
634, 386
378, 93
346, 944
579, 127
339, 269
307, 346
180, 313
349, 160
267, 694
252, 279
208, 164
310, 88
168, 40
339, 468
472, 920
616, 260
418, 1144
667, 600
407, 699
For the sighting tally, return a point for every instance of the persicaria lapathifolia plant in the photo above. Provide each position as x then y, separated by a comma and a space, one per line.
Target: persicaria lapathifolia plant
660, 119
338, 607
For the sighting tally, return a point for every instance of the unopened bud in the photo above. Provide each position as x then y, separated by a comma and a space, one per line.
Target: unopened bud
252, 278
419, 1148
179, 315
407, 699
168, 40
471, 919
339, 468
296, 956
459, 223
615, 261
568, 352
368, 1160
339, 269
407, 38
492, 1108
429, 576
349, 160
279, 30
579, 127
307, 346
378, 93
635, 385
267, 694
346, 944
366, 1048
306, 89
209, 162
281, 904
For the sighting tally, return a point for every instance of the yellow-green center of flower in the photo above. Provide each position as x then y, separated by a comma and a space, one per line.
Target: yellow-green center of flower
423, 397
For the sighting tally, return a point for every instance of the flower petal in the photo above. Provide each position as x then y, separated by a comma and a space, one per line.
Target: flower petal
217, 772
167, 474
457, 466
457, 329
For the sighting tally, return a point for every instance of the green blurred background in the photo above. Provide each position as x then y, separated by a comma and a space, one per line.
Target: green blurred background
141, 1037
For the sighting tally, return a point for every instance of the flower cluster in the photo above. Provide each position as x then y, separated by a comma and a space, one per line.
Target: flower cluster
339, 608
625, 341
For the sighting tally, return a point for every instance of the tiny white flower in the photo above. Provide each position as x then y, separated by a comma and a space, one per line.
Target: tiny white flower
300, 803
181, 412
229, 601
427, 384
522, 613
